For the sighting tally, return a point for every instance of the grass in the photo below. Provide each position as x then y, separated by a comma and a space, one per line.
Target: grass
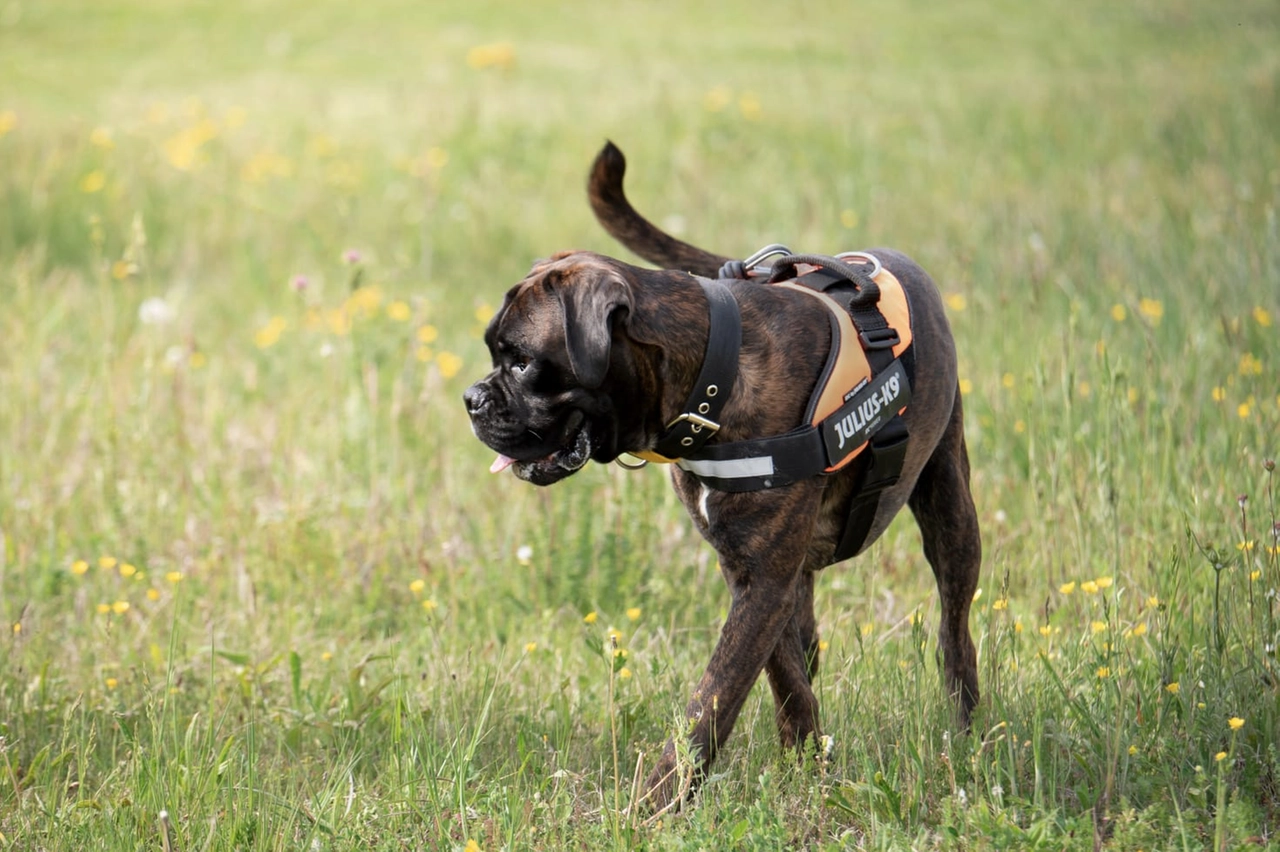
259, 593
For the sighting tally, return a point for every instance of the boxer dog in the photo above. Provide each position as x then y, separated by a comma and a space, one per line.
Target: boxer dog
594, 357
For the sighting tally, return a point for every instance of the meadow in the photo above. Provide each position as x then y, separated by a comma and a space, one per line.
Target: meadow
258, 591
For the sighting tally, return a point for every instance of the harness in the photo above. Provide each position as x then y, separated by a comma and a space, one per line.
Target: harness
854, 415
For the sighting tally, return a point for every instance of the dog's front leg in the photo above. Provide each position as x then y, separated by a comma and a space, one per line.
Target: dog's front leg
761, 556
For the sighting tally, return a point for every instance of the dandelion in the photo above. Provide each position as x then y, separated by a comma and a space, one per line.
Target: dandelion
104, 608
1220, 756
1172, 688
717, 99
326, 656
624, 672
1244, 409
823, 645
590, 618
868, 628
1067, 588
93, 182
530, 647
1045, 630
1235, 723
101, 138
153, 594
448, 364
1097, 627
1153, 601
957, 302
1139, 629
1118, 313
269, 334
484, 313
524, 554
1200, 705
79, 567
1000, 605
633, 613
500, 55
849, 218
127, 570
471, 846
1133, 749
1152, 309
428, 334
1007, 381
1219, 393
966, 387
1103, 672
1084, 389
1089, 587
173, 576
120, 607
1019, 426
1131, 395
429, 605
1245, 546
417, 586
1255, 574
1104, 582
1260, 314
399, 311
1017, 627
122, 269
111, 683
1249, 365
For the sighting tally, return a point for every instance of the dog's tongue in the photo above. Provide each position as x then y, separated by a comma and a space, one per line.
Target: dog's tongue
501, 463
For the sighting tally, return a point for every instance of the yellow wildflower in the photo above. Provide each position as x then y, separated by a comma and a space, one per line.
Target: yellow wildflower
428, 334
93, 182
1243, 410
500, 55
1089, 587
717, 99
957, 302
8, 121
1118, 313
429, 605
1260, 314
436, 157
1172, 688
1019, 426
101, 138
1133, 749
120, 607
849, 218
448, 364
614, 634
104, 608
269, 334
417, 586
624, 672
127, 569
484, 313
1152, 309
823, 644
399, 311
1045, 630
1249, 365
471, 846
1219, 393
1017, 627
530, 647
1153, 601
1246, 546
1067, 588
1000, 605
590, 618
1104, 582
1139, 629
1097, 626
1007, 381
633, 613
111, 683
1084, 389
1235, 723
868, 628
153, 594
749, 106
1220, 756
173, 576
1255, 574
326, 656
424, 354
966, 387
1103, 671
79, 567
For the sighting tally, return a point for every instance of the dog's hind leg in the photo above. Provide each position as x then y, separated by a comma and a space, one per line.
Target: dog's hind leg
792, 667
943, 507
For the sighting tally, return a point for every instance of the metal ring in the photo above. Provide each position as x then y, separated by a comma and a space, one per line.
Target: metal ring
712, 390
876, 265
704, 408
627, 466
686, 442
771, 249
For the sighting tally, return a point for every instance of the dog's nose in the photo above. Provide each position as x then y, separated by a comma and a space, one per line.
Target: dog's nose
476, 398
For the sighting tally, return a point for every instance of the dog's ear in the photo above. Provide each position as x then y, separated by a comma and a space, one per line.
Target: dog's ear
591, 298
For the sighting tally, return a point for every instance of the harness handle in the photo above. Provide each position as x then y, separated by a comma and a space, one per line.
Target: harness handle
868, 293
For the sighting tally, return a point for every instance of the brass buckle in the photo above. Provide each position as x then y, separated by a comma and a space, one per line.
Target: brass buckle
699, 423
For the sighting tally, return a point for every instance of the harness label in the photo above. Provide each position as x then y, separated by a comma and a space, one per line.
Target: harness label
853, 424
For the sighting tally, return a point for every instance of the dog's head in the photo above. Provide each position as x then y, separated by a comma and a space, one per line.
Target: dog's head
562, 375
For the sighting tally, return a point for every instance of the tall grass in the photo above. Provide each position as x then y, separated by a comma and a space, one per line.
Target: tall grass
252, 574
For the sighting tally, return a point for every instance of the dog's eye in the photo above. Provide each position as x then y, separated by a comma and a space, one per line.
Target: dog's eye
519, 364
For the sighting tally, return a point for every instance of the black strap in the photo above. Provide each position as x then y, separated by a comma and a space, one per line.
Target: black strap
885, 455
700, 418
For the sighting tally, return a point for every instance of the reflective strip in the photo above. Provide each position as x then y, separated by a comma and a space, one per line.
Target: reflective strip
729, 468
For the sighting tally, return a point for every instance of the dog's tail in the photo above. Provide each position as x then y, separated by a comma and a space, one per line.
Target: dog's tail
620, 219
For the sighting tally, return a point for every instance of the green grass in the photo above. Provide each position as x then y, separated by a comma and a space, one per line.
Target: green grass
332, 637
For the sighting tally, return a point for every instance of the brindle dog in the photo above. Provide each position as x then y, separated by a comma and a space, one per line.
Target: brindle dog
593, 357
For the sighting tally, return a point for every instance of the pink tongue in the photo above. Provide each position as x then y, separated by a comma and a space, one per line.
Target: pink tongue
501, 463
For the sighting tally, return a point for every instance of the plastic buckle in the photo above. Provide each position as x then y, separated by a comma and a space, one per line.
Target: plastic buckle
879, 338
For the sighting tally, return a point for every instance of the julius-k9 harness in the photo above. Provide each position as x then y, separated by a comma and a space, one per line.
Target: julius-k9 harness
854, 415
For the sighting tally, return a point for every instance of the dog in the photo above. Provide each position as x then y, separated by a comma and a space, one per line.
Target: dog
594, 357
